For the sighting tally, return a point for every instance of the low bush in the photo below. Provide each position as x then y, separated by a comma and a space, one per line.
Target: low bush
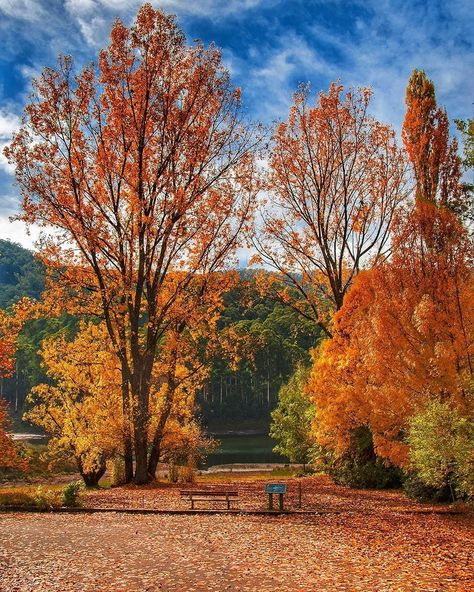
416, 489
359, 467
70, 494
41, 497
46, 498
15, 498
373, 474
116, 469
187, 474
441, 441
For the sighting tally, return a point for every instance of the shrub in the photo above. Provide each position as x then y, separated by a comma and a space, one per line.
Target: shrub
70, 494
187, 474
441, 441
116, 467
415, 489
369, 475
46, 498
15, 498
173, 473
29, 497
359, 467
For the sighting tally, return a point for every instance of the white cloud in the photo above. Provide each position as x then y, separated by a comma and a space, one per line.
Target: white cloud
29, 10
18, 233
396, 37
210, 8
9, 123
274, 72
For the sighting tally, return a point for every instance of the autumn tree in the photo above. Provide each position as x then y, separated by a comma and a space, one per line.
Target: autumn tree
80, 406
466, 128
335, 182
11, 323
9, 457
144, 168
434, 158
183, 364
441, 440
403, 338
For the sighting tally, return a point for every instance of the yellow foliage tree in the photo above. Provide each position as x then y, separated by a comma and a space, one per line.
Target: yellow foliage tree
81, 410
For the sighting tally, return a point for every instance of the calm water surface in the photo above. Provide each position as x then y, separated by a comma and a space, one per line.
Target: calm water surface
244, 449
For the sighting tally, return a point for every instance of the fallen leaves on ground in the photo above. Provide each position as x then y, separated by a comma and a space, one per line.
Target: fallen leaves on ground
361, 540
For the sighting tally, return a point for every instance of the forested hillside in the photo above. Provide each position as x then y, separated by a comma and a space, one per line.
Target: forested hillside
269, 341
20, 274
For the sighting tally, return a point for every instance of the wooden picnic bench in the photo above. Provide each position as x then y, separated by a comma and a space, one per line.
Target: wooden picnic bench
214, 495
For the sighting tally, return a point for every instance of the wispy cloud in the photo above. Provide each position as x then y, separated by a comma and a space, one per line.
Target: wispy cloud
28, 10
269, 45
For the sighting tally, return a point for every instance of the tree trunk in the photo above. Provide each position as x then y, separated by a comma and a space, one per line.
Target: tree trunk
127, 437
92, 478
155, 451
139, 385
141, 455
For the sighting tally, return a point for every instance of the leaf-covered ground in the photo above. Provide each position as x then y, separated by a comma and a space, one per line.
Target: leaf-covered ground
370, 541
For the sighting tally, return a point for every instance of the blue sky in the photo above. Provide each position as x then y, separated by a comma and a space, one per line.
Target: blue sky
269, 46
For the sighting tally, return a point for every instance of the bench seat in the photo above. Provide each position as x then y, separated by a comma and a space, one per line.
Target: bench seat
210, 495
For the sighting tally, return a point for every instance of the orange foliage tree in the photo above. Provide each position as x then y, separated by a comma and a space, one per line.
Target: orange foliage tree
145, 169
8, 453
11, 323
405, 333
434, 157
336, 179
404, 336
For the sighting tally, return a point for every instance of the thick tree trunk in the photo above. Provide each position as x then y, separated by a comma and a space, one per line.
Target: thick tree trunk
92, 478
155, 451
165, 413
141, 464
140, 388
127, 437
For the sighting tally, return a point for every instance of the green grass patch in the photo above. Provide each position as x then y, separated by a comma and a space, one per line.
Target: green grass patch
42, 497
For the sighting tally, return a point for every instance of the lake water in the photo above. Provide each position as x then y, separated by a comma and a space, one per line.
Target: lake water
244, 449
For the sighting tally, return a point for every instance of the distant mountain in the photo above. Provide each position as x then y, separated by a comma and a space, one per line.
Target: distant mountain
21, 274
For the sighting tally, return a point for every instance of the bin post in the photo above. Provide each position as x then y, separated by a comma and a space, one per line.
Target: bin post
270, 501
280, 502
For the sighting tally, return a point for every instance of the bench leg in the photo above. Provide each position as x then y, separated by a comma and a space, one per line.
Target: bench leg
192, 504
